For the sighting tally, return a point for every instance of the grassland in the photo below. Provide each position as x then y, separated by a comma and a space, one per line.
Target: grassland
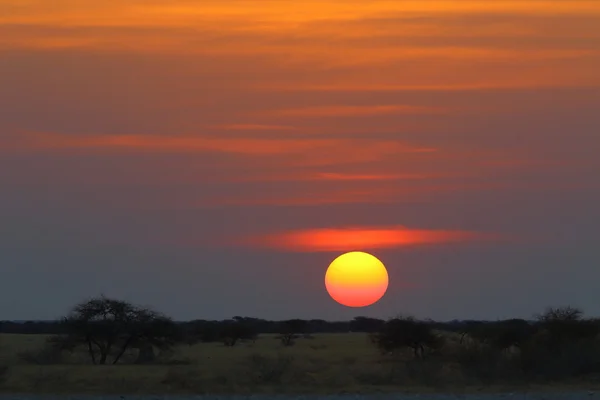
327, 363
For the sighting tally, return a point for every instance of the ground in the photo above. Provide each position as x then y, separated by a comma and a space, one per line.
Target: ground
327, 363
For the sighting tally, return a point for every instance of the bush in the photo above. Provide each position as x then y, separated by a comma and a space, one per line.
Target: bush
4, 370
48, 354
571, 360
482, 363
427, 371
269, 370
181, 378
562, 326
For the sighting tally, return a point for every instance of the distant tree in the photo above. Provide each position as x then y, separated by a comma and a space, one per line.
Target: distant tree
31, 327
498, 334
563, 325
232, 331
291, 329
366, 324
470, 328
251, 325
560, 314
406, 332
510, 333
201, 331
108, 328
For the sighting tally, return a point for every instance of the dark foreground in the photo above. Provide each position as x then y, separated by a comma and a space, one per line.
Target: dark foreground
452, 396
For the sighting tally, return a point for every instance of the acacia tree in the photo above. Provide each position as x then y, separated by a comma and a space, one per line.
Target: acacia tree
290, 330
232, 331
108, 327
563, 325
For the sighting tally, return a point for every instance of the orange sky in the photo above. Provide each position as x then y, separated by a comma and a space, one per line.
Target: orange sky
271, 125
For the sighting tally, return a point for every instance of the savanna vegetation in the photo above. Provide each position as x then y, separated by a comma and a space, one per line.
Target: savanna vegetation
110, 346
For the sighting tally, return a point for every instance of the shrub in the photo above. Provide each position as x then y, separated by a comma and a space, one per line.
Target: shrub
181, 378
268, 370
4, 370
571, 360
51, 352
482, 363
562, 326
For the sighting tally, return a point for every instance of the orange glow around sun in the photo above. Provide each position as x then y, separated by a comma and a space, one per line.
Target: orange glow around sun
356, 279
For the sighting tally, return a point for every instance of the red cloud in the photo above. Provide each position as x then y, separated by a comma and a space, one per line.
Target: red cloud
353, 238
354, 111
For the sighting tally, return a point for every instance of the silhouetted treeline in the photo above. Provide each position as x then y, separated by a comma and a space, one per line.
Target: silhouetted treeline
560, 343
31, 327
247, 326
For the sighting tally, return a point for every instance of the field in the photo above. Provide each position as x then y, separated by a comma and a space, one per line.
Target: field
327, 364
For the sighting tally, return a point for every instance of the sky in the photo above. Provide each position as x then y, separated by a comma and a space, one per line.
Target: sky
210, 158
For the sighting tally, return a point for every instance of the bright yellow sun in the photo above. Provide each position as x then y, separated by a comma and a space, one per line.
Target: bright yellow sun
356, 279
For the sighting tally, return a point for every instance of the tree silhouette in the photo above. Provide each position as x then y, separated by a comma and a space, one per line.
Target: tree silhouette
406, 332
235, 330
563, 325
109, 327
366, 324
290, 330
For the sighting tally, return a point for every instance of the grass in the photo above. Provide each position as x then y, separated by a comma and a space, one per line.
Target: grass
329, 363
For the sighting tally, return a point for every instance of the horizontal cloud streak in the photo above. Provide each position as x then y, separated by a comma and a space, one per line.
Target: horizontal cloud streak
466, 87
254, 127
307, 147
138, 12
356, 111
357, 238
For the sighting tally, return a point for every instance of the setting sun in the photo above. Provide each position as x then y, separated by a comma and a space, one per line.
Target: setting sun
356, 279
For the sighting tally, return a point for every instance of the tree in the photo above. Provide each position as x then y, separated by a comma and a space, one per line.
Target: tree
561, 314
499, 334
470, 328
408, 332
366, 324
563, 325
290, 329
512, 332
235, 330
109, 327
201, 331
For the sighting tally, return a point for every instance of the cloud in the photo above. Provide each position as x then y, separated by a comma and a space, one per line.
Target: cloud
333, 176
287, 176
163, 143
254, 127
270, 14
328, 45
458, 87
308, 151
357, 238
324, 31
316, 197
356, 111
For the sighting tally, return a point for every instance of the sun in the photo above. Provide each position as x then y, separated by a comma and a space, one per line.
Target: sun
356, 279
